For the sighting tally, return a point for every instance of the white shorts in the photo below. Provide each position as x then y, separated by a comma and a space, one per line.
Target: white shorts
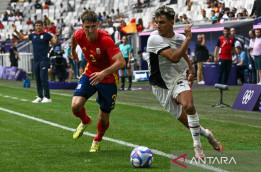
169, 97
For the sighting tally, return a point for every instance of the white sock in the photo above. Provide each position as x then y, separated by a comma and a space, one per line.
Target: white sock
204, 132
194, 128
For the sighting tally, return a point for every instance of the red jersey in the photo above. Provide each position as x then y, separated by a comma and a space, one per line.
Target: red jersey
226, 45
98, 54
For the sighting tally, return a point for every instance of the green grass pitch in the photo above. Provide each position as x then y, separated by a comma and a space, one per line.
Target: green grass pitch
138, 118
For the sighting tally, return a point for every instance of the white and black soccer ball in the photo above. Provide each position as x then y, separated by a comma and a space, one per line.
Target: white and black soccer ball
141, 157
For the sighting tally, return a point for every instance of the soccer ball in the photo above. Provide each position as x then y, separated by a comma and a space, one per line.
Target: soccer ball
141, 157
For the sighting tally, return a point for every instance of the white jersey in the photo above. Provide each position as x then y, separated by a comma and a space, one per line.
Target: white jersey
164, 73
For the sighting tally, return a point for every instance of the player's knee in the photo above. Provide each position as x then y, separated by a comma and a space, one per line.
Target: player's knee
189, 108
75, 107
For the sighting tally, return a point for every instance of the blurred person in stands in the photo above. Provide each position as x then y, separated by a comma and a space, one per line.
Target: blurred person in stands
38, 5
239, 39
109, 22
185, 20
62, 9
47, 21
257, 53
13, 54
176, 19
242, 64
204, 17
78, 23
1, 25
104, 60
40, 41
201, 55
29, 21
240, 16
52, 28
224, 48
70, 8
2, 51
152, 24
139, 25
168, 65
8, 39
252, 36
126, 50
46, 6
71, 30
245, 13
234, 11
213, 18
11, 17
5, 18
256, 11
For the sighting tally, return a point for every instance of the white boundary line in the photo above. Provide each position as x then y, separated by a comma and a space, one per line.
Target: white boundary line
208, 167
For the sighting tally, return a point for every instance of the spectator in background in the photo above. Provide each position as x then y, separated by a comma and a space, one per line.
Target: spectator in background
70, 8
201, 55
71, 30
126, 52
213, 17
35, 19
18, 17
109, 22
45, 28
238, 39
52, 28
2, 51
78, 23
38, 5
185, 19
5, 18
256, 11
234, 11
1, 25
152, 24
252, 36
225, 15
8, 39
112, 14
231, 16
140, 26
13, 54
11, 17
176, 19
240, 16
104, 16
1, 40
9, 7
46, 6
245, 13
225, 47
48, 2
117, 35
242, 64
99, 16
29, 21
257, 53
204, 17
62, 9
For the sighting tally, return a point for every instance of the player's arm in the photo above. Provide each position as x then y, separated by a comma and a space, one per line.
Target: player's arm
73, 49
175, 55
215, 54
203, 43
55, 40
118, 64
21, 36
191, 70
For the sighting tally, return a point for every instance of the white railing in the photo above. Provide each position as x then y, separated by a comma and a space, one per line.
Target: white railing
24, 63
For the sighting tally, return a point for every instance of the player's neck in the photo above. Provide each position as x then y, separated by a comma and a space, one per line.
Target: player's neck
170, 34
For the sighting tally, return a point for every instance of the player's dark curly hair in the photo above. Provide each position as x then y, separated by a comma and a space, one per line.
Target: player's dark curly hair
88, 15
165, 10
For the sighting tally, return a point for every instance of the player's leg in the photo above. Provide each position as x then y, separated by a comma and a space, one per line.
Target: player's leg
102, 126
227, 67
107, 94
129, 77
82, 93
192, 122
220, 71
38, 82
122, 79
186, 100
44, 81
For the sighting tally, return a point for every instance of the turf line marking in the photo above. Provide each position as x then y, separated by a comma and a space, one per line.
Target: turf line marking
208, 167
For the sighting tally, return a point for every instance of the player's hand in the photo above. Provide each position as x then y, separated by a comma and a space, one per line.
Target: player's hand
128, 65
75, 56
58, 32
96, 78
191, 79
14, 27
188, 31
215, 59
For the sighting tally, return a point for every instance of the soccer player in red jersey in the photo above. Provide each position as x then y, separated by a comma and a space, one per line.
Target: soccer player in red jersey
104, 59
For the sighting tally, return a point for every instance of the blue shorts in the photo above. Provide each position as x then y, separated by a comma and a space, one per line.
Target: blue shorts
107, 93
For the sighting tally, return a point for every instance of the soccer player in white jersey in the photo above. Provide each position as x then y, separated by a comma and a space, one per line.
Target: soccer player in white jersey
168, 64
